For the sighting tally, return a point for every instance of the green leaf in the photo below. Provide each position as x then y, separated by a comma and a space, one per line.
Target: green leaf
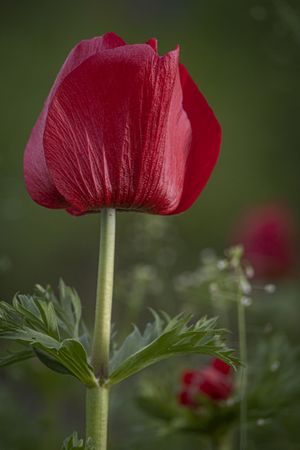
67, 307
51, 363
166, 337
40, 321
74, 443
71, 356
15, 356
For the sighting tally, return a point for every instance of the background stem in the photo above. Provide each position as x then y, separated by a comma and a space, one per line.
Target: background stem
243, 372
97, 399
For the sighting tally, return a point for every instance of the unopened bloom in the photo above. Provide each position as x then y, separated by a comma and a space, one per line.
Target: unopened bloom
122, 127
213, 381
267, 233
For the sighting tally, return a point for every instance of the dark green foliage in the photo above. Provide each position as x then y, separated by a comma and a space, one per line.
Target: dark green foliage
273, 399
274, 387
158, 399
15, 356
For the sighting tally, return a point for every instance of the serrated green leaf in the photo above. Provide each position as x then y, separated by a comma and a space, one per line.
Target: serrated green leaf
70, 307
166, 337
67, 307
15, 356
40, 321
72, 356
37, 313
49, 317
74, 443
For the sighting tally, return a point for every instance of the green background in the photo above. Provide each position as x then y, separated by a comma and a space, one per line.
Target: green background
245, 58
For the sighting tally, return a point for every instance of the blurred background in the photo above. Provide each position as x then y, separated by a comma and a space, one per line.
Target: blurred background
245, 57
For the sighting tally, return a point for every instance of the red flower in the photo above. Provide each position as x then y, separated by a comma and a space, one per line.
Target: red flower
122, 127
269, 239
213, 381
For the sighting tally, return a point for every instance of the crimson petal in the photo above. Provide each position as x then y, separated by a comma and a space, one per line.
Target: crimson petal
37, 178
206, 141
153, 43
111, 142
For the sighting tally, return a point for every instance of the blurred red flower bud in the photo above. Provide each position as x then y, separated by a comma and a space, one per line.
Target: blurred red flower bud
213, 381
268, 236
221, 366
186, 398
122, 127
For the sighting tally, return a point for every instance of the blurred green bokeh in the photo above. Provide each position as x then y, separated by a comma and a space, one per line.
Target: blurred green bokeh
245, 57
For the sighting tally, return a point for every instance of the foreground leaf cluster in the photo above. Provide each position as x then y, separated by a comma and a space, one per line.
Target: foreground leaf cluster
51, 328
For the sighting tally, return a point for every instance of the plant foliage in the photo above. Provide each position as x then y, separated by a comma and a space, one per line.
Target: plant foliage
50, 328
166, 337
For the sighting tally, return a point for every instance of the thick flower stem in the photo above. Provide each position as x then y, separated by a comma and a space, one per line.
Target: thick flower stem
98, 398
97, 402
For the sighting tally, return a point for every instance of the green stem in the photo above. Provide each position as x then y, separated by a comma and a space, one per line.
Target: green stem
97, 399
97, 402
243, 372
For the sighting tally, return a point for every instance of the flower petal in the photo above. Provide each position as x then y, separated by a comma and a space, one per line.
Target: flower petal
106, 143
38, 181
221, 366
214, 384
153, 43
206, 141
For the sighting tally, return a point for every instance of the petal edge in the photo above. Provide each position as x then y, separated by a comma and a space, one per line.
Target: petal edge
206, 141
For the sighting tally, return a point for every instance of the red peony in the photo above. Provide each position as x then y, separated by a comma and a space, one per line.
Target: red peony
213, 381
122, 127
269, 240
